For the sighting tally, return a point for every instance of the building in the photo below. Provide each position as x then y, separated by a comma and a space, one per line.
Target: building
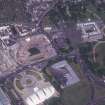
7, 39
64, 74
48, 29
34, 49
4, 100
33, 88
74, 2
26, 49
90, 31
7, 63
8, 35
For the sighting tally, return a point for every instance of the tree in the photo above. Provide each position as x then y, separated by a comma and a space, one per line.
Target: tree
100, 71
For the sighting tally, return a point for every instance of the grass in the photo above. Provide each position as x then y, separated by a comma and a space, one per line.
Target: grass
98, 64
97, 67
99, 91
77, 94
100, 52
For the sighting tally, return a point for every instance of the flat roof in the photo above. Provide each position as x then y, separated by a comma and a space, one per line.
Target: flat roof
64, 73
92, 26
3, 98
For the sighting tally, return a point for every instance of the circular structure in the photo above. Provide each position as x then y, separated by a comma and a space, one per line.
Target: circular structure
33, 88
26, 80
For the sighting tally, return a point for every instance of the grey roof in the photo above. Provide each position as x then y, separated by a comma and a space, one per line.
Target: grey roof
1, 103
3, 98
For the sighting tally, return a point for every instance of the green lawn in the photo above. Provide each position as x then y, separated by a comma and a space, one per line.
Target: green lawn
100, 52
77, 94
99, 91
97, 66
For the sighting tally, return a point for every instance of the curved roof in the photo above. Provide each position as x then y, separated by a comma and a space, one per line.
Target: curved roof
40, 96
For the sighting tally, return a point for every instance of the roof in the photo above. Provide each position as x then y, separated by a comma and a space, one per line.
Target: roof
1, 103
33, 88
41, 95
3, 98
40, 42
64, 73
